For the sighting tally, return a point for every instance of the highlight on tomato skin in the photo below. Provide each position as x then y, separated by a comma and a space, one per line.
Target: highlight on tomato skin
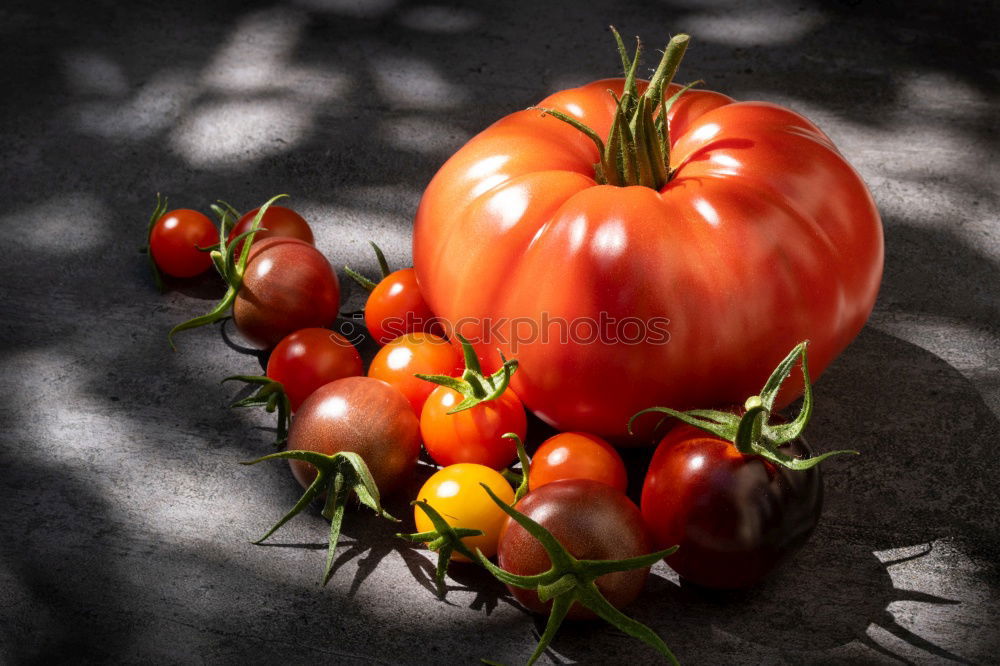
309, 358
577, 455
455, 493
175, 239
417, 352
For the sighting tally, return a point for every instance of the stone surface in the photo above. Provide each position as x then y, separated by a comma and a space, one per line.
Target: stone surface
126, 522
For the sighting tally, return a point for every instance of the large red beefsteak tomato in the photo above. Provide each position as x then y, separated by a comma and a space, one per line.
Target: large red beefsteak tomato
763, 236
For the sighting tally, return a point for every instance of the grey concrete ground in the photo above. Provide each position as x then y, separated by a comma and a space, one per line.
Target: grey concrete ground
125, 520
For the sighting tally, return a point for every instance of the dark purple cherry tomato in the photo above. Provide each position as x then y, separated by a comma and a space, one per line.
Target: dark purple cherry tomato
592, 521
287, 285
363, 415
734, 516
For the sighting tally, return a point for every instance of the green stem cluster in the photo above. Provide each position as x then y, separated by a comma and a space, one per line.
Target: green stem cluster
751, 432
271, 395
637, 149
337, 475
571, 580
473, 385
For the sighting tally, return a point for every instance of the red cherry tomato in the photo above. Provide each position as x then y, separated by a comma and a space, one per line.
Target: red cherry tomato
288, 285
310, 358
474, 435
175, 240
592, 521
577, 455
362, 415
396, 307
421, 352
278, 221
734, 516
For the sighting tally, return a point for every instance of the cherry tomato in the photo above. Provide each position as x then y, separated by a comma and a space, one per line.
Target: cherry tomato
577, 455
363, 415
734, 516
310, 358
592, 521
396, 307
421, 352
287, 285
278, 221
455, 493
473, 435
175, 240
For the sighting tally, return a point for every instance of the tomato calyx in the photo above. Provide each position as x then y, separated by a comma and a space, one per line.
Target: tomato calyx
383, 265
472, 384
751, 433
571, 580
444, 540
230, 267
158, 211
337, 475
637, 150
271, 395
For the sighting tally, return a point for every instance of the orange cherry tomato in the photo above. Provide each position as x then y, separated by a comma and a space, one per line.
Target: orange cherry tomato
455, 493
577, 455
474, 435
396, 307
421, 352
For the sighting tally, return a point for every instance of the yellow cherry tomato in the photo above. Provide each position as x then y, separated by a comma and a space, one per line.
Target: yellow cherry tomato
455, 493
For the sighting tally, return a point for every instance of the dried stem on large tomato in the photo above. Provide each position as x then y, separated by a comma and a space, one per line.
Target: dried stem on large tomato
751, 433
637, 150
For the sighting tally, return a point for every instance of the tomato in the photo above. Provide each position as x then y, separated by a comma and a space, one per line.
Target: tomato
474, 435
734, 516
466, 417
287, 285
615, 298
592, 521
577, 455
419, 352
362, 415
737, 493
455, 493
396, 307
277, 221
175, 239
310, 358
